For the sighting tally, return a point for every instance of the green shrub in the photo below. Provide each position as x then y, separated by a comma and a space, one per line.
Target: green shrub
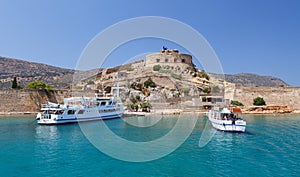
165, 71
90, 82
149, 83
37, 85
176, 76
259, 101
146, 106
130, 69
156, 67
79, 87
177, 94
133, 100
134, 107
236, 103
138, 97
49, 88
185, 90
203, 74
206, 90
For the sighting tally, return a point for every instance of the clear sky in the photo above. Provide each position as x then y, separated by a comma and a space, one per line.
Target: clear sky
249, 36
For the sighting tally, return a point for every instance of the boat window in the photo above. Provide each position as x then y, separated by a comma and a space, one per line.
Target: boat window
80, 111
51, 112
110, 103
71, 111
103, 103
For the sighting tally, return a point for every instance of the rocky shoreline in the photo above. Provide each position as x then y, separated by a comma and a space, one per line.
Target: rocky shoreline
268, 110
245, 110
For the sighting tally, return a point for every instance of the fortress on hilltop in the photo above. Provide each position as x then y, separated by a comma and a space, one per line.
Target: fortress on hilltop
169, 57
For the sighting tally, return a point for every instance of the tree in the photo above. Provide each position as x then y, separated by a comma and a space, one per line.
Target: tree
40, 85
236, 103
37, 85
206, 90
146, 106
14, 83
149, 83
259, 101
156, 67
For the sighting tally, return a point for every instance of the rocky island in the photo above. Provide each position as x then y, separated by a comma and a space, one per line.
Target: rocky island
163, 82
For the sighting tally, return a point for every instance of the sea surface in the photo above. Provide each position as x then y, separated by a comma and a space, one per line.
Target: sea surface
269, 147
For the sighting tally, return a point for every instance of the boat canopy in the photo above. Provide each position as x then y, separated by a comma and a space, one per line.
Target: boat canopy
225, 111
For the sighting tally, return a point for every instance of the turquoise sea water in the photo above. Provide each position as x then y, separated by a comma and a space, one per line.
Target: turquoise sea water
270, 147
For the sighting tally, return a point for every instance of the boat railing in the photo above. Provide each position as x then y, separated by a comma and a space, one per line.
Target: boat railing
50, 106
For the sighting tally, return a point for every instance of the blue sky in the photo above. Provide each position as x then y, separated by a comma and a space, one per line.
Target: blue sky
249, 36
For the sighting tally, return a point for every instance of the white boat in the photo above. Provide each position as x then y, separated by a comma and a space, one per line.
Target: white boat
225, 120
78, 109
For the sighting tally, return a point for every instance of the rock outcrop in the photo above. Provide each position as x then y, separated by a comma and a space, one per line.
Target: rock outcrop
267, 110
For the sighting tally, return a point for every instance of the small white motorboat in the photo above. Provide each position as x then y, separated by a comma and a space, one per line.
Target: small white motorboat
227, 120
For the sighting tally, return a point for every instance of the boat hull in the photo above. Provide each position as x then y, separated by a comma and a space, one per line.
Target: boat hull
228, 126
76, 120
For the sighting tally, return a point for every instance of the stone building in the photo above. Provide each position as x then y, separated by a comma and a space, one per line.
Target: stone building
169, 57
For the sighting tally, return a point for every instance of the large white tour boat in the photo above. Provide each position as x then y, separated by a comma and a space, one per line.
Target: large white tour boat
78, 109
227, 120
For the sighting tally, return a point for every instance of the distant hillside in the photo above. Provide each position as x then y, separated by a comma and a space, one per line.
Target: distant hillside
246, 79
28, 71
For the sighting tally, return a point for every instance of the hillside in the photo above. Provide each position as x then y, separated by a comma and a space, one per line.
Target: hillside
28, 71
246, 79
59, 77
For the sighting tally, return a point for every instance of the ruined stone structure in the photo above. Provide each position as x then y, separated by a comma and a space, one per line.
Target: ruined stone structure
169, 57
281, 96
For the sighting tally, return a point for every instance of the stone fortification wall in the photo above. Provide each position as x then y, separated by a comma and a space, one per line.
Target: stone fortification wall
282, 96
168, 57
22, 101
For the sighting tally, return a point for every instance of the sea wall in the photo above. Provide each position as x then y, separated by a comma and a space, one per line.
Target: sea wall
280, 96
27, 101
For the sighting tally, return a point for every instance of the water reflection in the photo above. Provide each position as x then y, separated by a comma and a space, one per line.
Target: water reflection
46, 132
143, 121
